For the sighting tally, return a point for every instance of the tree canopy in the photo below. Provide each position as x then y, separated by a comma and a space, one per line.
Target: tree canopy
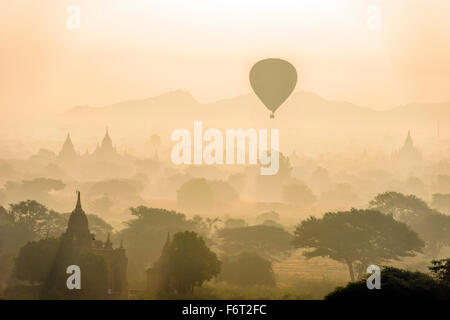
431, 225
35, 260
298, 194
146, 233
406, 208
441, 270
195, 194
363, 237
395, 284
43, 264
268, 241
435, 229
247, 269
185, 262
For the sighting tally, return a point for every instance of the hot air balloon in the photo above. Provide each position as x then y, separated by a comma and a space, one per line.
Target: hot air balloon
273, 80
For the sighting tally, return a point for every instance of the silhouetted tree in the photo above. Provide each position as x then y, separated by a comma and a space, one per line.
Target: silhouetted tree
270, 215
298, 194
224, 194
195, 194
441, 269
431, 225
35, 260
6, 260
269, 242
36, 218
186, 262
235, 223
270, 186
395, 284
247, 269
405, 208
271, 223
146, 233
357, 236
12, 234
44, 263
435, 229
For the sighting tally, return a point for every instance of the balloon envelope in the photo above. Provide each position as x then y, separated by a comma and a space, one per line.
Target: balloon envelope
273, 80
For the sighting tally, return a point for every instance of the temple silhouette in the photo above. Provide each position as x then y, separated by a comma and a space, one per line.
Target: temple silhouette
79, 236
104, 151
408, 156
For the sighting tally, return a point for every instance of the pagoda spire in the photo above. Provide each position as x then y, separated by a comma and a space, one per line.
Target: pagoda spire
78, 206
408, 141
68, 149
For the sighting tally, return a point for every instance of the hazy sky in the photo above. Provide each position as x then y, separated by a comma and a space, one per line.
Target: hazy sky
128, 49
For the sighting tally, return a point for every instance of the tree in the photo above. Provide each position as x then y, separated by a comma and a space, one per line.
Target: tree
235, 223
5, 265
98, 226
431, 225
361, 237
247, 269
441, 270
195, 194
272, 223
269, 186
441, 202
224, 194
35, 218
44, 263
435, 229
12, 235
146, 233
298, 194
405, 208
269, 242
269, 215
35, 260
395, 284
186, 262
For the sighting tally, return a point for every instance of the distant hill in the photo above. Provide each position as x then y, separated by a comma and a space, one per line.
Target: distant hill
307, 122
302, 110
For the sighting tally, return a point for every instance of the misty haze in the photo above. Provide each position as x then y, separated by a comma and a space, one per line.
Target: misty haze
359, 174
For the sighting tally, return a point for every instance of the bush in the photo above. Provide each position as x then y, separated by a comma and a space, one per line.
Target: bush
395, 283
247, 269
